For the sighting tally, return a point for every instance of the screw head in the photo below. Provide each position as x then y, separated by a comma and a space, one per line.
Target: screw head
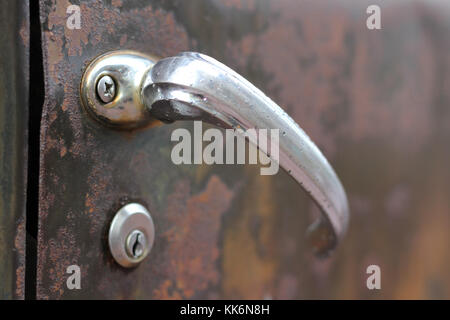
136, 242
106, 89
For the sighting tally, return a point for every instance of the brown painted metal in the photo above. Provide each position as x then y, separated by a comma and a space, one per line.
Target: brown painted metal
376, 102
14, 75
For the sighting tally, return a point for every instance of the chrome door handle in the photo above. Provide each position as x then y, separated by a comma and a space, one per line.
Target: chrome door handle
193, 86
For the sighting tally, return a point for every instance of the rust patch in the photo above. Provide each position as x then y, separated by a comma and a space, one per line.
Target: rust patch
117, 3
123, 40
62, 252
249, 250
240, 4
318, 63
19, 245
193, 237
24, 33
424, 268
100, 191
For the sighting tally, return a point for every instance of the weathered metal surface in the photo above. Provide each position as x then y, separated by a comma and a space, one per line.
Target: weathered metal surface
375, 101
14, 55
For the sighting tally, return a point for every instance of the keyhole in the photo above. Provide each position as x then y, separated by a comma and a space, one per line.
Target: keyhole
137, 247
136, 243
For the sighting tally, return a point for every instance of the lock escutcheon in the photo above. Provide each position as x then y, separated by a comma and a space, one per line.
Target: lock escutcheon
131, 235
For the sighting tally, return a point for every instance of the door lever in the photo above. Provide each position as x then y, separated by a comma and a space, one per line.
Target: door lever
193, 86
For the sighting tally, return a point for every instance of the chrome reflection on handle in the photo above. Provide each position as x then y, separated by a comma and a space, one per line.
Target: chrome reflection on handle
193, 86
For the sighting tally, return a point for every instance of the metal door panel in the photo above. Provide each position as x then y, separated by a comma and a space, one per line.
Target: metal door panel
374, 101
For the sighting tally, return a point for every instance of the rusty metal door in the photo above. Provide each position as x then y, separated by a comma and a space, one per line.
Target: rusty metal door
375, 101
